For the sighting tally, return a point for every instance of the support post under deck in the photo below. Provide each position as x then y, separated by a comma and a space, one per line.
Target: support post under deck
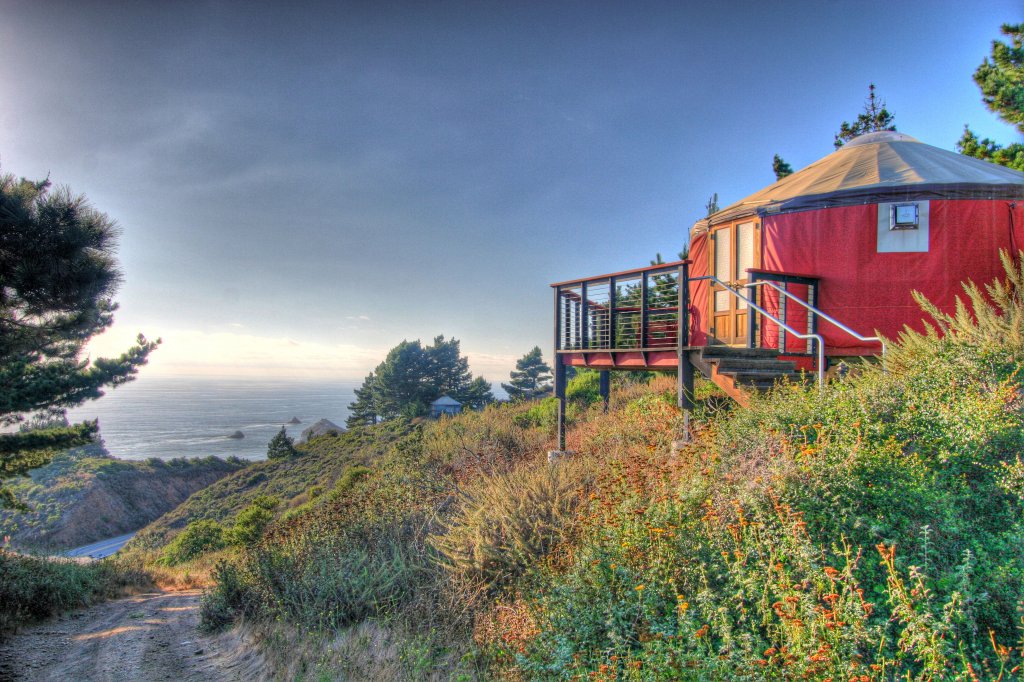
560, 394
684, 374
559, 372
606, 388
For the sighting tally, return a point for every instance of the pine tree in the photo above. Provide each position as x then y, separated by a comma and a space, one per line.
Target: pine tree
447, 370
874, 118
1002, 89
780, 168
411, 377
711, 207
363, 412
1011, 156
531, 378
281, 446
58, 276
477, 395
400, 388
1002, 79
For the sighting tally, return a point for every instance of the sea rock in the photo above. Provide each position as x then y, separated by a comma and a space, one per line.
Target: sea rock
294, 420
237, 435
320, 428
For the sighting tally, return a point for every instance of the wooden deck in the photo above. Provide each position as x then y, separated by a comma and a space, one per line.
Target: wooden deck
640, 320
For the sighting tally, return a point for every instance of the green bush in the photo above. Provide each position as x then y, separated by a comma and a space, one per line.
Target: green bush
544, 413
249, 525
225, 600
198, 538
349, 478
584, 388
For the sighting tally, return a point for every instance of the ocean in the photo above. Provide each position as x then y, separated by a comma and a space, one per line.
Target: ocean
167, 418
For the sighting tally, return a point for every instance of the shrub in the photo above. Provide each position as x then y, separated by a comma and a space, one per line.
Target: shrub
227, 598
349, 478
249, 525
493, 439
543, 413
198, 538
506, 523
584, 388
318, 580
33, 588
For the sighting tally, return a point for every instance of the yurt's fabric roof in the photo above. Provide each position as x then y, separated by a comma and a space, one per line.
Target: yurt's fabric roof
876, 167
446, 401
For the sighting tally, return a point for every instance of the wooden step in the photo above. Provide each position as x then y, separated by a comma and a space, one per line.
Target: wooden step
741, 364
742, 372
759, 377
721, 352
754, 375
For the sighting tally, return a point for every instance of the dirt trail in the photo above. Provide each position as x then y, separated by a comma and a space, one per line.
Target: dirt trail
147, 637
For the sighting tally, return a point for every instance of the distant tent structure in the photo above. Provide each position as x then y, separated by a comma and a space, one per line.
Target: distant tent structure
445, 405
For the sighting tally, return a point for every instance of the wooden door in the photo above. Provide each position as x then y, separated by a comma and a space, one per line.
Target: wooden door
734, 250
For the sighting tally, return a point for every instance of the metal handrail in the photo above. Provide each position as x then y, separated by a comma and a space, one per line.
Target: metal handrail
791, 330
818, 312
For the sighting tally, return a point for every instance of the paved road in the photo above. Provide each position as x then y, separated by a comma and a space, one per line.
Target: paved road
101, 549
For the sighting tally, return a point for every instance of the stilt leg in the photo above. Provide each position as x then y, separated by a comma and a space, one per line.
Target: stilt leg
606, 388
560, 394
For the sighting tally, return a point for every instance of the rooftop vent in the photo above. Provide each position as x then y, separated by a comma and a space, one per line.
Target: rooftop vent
881, 136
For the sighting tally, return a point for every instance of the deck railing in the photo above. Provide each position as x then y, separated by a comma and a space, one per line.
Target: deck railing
633, 310
803, 316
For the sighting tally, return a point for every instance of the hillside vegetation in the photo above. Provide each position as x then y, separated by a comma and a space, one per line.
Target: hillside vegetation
291, 482
85, 495
869, 532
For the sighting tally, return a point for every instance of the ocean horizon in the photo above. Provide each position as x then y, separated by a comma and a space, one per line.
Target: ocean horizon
193, 417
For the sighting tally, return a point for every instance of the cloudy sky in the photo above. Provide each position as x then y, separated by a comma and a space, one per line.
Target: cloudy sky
300, 189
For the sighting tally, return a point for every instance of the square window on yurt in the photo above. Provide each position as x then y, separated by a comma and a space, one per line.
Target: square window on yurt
903, 217
903, 227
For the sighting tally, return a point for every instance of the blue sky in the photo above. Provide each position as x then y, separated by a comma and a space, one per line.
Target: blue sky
301, 189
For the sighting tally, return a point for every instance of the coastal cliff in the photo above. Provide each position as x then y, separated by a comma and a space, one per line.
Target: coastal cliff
86, 495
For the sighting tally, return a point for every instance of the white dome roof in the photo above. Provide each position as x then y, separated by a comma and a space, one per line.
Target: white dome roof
877, 167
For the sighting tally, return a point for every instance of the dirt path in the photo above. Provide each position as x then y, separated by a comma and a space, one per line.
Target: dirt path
147, 637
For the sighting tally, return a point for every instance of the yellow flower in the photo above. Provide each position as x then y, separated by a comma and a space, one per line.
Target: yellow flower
640, 588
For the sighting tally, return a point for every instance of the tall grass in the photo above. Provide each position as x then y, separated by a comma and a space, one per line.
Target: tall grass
33, 588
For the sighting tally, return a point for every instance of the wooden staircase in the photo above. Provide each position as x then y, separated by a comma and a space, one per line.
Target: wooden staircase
742, 371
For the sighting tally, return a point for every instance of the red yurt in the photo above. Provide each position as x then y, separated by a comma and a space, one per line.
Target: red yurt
857, 231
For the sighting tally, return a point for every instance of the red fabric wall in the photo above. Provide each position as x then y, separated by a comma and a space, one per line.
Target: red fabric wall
699, 291
869, 291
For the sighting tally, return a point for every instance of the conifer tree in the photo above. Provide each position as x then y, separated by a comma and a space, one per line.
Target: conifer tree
476, 395
530, 379
1002, 90
411, 377
874, 118
58, 276
711, 207
281, 446
1011, 156
780, 168
363, 412
1002, 79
